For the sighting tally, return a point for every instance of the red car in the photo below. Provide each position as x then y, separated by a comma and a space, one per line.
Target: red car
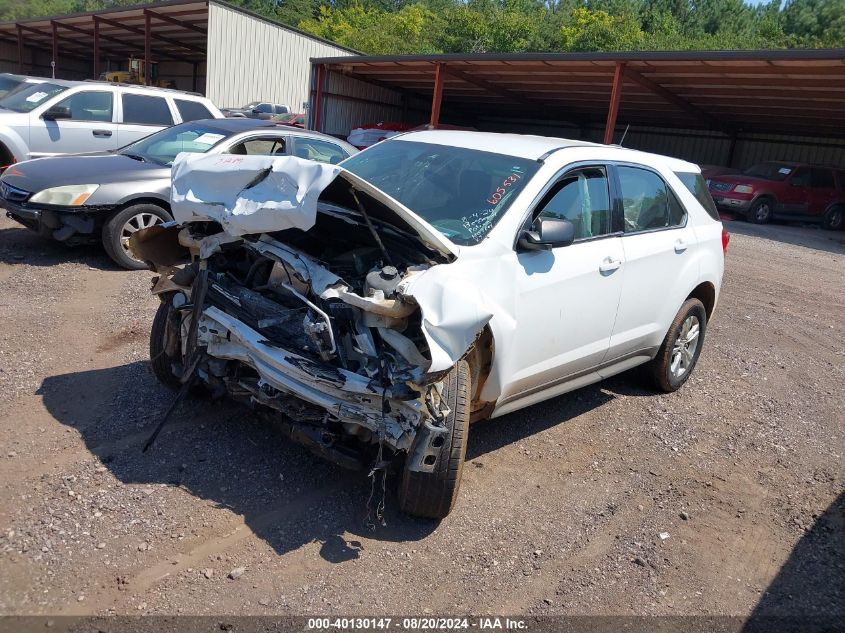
789, 191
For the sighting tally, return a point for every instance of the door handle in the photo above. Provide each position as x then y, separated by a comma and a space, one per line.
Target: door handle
680, 245
609, 264
101, 133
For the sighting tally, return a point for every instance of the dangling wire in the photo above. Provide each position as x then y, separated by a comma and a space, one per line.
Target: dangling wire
379, 466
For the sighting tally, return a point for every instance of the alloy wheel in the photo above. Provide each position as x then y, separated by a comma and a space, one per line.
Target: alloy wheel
134, 224
763, 212
683, 351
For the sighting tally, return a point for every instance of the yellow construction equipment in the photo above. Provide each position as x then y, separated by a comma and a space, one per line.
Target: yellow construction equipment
135, 75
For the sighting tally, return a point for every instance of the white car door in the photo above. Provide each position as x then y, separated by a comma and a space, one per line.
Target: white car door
86, 125
141, 115
660, 263
567, 297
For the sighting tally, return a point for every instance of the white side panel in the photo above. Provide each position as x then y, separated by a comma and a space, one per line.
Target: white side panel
250, 59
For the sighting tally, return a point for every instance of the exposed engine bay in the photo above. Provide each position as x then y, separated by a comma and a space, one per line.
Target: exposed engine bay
316, 327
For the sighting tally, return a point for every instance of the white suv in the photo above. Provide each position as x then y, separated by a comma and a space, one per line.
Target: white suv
442, 277
69, 117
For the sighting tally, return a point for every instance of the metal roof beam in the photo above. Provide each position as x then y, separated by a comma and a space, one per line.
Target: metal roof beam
671, 97
155, 36
497, 90
115, 40
175, 22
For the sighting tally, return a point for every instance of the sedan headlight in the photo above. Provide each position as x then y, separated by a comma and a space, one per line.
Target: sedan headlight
744, 189
66, 196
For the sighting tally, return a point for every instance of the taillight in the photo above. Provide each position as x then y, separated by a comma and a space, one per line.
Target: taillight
726, 237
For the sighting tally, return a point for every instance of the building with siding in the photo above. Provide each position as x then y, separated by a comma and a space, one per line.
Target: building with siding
231, 55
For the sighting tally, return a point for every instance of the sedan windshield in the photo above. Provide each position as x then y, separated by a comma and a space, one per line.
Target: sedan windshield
770, 171
162, 147
461, 192
31, 97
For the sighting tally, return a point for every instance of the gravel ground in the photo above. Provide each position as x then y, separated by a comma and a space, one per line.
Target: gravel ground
724, 498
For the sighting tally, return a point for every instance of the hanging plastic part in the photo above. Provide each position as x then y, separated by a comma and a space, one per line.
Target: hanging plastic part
371, 227
375, 516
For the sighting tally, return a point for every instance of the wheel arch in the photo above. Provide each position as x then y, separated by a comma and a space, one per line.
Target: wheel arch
159, 202
479, 357
706, 293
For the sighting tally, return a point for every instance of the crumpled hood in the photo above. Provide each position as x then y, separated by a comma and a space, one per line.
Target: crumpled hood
264, 194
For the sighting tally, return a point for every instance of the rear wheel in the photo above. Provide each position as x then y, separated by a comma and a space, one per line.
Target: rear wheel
123, 224
433, 494
761, 211
834, 219
681, 348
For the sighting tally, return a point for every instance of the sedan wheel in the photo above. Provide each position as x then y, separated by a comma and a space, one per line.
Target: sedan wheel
134, 224
120, 227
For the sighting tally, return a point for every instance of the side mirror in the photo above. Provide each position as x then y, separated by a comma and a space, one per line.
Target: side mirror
56, 112
549, 233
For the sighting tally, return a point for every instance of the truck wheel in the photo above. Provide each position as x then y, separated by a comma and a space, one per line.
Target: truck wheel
761, 211
124, 223
433, 494
834, 219
681, 348
161, 332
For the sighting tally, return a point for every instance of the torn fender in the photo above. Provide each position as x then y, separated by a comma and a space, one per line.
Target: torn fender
453, 313
248, 194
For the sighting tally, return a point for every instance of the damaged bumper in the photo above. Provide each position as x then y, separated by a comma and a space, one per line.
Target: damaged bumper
58, 224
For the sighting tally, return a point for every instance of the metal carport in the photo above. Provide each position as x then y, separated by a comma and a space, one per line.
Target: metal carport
730, 97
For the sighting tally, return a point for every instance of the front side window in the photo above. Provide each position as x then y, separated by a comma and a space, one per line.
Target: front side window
321, 151
770, 171
264, 108
461, 192
163, 147
272, 146
582, 198
28, 98
647, 201
89, 106
146, 110
192, 110
801, 177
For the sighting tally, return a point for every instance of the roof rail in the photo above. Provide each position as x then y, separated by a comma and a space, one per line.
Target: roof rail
127, 85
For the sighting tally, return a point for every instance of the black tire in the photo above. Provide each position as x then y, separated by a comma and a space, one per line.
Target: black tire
834, 219
433, 495
761, 211
660, 369
161, 362
113, 231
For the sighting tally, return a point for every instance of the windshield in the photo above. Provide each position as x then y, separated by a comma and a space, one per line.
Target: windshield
7, 84
461, 192
162, 147
770, 171
29, 98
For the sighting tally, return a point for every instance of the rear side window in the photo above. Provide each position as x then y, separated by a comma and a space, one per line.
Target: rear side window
146, 110
647, 201
697, 187
821, 178
321, 151
192, 110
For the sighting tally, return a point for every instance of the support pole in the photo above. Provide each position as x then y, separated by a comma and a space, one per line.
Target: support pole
55, 64
731, 151
318, 98
615, 96
194, 74
96, 48
437, 97
147, 55
20, 49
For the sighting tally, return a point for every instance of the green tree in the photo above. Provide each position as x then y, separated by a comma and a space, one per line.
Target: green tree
599, 31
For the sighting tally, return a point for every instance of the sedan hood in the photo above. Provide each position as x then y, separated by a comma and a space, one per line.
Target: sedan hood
41, 173
263, 194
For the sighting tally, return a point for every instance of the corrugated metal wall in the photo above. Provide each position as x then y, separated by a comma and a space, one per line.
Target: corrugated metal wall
251, 59
348, 103
37, 62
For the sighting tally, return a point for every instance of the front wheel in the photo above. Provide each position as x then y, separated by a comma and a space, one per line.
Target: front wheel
123, 224
834, 219
761, 211
681, 348
433, 494
165, 343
